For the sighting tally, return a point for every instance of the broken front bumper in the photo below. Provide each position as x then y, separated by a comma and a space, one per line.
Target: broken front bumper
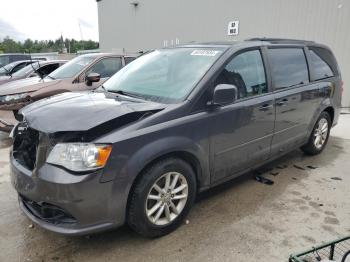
65, 203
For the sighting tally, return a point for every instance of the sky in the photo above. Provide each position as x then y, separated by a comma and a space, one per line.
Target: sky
47, 19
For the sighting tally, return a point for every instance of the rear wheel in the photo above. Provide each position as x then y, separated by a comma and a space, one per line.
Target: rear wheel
319, 136
162, 197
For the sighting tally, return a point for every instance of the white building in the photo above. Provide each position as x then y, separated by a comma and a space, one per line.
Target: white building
134, 25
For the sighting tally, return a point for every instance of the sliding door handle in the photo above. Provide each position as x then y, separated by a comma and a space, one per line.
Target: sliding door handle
265, 107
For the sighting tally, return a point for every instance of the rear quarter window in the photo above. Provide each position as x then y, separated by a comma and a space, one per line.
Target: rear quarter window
322, 63
288, 67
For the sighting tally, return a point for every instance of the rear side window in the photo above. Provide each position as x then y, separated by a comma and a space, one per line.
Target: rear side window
288, 66
320, 64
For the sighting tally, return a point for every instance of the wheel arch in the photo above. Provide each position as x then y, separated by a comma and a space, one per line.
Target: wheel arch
184, 155
330, 111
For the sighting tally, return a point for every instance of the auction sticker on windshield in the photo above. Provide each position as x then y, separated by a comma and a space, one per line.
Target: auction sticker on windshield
205, 52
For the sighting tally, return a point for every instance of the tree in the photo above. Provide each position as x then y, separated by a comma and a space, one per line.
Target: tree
8, 45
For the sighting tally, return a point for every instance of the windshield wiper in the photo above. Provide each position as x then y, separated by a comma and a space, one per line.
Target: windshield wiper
121, 92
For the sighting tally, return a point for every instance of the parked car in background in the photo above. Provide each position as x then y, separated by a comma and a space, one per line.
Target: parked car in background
85, 72
172, 123
13, 67
36, 69
9, 58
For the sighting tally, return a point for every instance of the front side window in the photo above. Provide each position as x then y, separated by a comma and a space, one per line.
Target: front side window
245, 71
106, 67
288, 67
72, 68
165, 75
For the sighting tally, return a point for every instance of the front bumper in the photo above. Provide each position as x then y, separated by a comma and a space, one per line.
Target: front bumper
89, 205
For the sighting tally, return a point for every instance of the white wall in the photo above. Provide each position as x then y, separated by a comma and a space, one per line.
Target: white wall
147, 26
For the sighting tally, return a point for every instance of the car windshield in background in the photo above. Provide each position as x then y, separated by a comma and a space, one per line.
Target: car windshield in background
4, 60
71, 68
166, 75
25, 70
5, 69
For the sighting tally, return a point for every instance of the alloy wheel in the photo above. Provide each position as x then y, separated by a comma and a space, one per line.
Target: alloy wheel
321, 133
166, 198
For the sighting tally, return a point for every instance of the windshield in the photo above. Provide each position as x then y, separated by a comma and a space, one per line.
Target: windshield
71, 68
165, 75
5, 69
26, 70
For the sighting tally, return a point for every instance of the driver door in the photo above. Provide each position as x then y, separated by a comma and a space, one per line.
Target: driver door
241, 133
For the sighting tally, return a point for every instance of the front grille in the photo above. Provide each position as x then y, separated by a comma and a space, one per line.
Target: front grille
25, 145
49, 213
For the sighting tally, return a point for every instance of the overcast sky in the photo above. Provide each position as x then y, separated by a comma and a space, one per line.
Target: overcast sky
46, 19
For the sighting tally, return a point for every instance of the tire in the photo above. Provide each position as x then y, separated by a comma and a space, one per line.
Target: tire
313, 147
145, 197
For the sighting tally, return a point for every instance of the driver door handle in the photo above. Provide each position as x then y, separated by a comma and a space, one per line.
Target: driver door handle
282, 102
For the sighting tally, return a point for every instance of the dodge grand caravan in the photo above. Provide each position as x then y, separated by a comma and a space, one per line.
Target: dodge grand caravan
170, 124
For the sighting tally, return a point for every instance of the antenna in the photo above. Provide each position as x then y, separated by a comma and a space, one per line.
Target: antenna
81, 35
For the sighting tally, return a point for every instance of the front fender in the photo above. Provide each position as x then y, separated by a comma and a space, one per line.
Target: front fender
130, 164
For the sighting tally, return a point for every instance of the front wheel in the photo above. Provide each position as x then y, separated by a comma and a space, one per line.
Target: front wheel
162, 197
319, 136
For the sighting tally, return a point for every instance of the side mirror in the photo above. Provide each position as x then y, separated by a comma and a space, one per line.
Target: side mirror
224, 94
91, 78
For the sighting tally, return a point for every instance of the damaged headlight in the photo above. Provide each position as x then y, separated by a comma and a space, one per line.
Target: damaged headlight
80, 156
10, 98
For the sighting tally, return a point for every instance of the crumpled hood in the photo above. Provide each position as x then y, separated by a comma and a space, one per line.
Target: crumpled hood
80, 111
26, 85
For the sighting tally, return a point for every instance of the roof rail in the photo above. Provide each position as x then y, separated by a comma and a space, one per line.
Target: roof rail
278, 40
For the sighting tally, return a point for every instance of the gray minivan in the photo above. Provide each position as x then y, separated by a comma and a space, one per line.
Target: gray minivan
170, 124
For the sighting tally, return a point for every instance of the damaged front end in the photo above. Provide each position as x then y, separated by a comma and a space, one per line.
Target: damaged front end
53, 178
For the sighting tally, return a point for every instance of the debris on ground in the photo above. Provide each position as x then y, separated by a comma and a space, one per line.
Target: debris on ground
31, 226
299, 167
264, 170
187, 222
282, 166
336, 178
274, 173
311, 167
294, 178
264, 180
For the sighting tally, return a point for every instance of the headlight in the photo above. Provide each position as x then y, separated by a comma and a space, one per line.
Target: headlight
14, 97
79, 156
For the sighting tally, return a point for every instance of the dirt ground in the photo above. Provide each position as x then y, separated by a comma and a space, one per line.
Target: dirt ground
243, 220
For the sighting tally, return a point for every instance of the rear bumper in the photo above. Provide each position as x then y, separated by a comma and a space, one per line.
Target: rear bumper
89, 205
